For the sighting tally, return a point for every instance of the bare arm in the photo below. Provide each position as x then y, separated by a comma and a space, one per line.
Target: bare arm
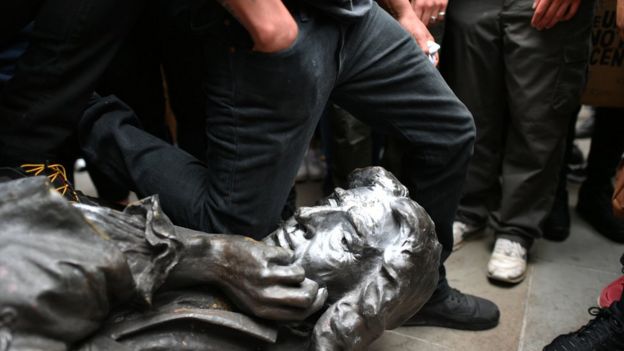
269, 22
403, 12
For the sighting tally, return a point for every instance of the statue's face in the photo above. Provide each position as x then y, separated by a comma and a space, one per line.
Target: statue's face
334, 241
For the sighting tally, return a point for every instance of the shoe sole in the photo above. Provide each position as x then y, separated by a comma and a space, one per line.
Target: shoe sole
508, 280
451, 325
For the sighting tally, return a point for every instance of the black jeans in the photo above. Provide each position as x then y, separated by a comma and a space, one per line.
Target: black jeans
262, 109
71, 45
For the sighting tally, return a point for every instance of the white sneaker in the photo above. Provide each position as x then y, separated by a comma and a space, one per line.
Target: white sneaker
315, 164
508, 262
461, 231
302, 172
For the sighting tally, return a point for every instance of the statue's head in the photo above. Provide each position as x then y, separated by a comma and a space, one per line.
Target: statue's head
372, 246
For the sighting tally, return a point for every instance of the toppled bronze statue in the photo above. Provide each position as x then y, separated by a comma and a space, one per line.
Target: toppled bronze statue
333, 277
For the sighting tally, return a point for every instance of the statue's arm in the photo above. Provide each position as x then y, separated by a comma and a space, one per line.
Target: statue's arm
260, 279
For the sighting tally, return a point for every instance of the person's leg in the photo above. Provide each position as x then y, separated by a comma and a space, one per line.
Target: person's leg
556, 226
401, 93
545, 72
258, 129
607, 146
471, 63
71, 44
390, 84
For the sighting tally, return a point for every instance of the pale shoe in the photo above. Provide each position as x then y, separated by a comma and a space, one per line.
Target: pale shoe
508, 262
461, 231
302, 172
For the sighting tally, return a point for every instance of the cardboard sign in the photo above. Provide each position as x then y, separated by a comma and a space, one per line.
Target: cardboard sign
605, 85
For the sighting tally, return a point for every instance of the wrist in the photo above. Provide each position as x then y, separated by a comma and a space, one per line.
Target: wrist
196, 266
406, 18
396, 8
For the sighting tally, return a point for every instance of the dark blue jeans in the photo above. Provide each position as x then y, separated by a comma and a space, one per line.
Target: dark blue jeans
71, 44
262, 109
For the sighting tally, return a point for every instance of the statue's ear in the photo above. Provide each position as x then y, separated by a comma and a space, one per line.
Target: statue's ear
343, 326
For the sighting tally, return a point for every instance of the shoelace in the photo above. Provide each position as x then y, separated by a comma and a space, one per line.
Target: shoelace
456, 296
598, 330
57, 173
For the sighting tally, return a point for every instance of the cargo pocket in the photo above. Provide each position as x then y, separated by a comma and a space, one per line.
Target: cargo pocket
571, 79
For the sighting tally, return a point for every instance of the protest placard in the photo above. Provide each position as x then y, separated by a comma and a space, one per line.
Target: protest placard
605, 86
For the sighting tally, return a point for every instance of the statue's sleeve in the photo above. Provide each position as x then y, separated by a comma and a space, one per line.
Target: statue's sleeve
59, 277
145, 236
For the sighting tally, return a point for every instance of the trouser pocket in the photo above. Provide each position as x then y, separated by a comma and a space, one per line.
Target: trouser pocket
571, 79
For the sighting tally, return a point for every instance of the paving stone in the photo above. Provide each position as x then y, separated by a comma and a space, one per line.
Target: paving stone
393, 340
559, 296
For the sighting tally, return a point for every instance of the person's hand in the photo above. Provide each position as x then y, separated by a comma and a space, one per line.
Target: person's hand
550, 12
411, 23
429, 11
620, 17
260, 279
268, 22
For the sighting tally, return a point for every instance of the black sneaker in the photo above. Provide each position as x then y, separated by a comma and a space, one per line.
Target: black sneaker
55, 173
603, 333
457, 311
594, 206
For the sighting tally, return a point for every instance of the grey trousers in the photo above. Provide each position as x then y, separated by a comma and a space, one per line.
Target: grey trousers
522, 86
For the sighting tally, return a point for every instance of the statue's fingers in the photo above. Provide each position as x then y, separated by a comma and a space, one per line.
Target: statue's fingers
280, 313
319, 301
302, 296
279, 255
291, 274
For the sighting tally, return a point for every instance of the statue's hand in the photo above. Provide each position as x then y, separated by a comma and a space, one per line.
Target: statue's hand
260, 279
